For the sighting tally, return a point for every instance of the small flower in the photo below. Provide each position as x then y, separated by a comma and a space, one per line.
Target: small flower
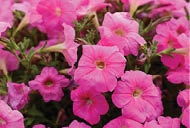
119, 30
39, 126
10, 118
18, 95
100, 66
76, 124
123, 122
138, 97
49, 83
89, 104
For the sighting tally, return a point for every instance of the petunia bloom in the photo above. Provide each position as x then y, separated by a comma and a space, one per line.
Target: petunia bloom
119, 30
76, 124
122, 122
138, 97
89, 104
18, 95
56, 12
10, 118
49, 83
100, 66
183, 100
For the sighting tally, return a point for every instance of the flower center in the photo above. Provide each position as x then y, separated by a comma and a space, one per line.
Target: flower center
120, 32
58, 11
89, 101
100, 64
49, 83
180, 30
2, 122
137, 93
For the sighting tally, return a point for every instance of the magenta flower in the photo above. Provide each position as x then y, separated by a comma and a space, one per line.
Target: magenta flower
8, 62
18, 95
56, 12
89, 104
181, 73
122, 122
49, 83
76, 124
119, 30
6, 16
138, 97
39, 126
10, 118
167, 36
100, 66
183, 100
86, 7
3, 27
152, 124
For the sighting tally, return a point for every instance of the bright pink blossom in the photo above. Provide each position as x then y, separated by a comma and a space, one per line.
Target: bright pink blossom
183, 100
119, 30
138, 97
18, 95
6, 14
89, 104
49, 83
10, 118
100, 66
56, 12
168, 122
152, 124
122, 122
8, 62
39, 126
76, 124
85, 7
3, 27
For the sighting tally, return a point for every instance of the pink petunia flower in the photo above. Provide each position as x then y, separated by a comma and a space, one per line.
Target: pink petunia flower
182, 72
8, 62
76, 124
49, 83
163, 122
18, 95
86, 7
167, 36
183, 100
138, 97
68, 47
122, 122
56, 12
6, 14
119, 30
39, 126
10, 118
89, 104
100, 66
3, 27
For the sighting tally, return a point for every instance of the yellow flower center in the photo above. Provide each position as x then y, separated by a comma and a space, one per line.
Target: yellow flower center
49, 83
137, 93
58, 11
2, 122
100, 64
120, 32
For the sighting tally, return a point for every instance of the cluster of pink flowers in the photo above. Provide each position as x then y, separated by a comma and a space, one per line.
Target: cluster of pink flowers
102, 68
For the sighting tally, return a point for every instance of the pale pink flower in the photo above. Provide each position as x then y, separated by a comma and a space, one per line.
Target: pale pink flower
183, 100
85, 7
119, 30
100, 66
18, 95
10, 118
122, 122
39, 126
3, 27
76, 124
56, 12
49, 83
89, 104
138, 97
6, 14
8, 62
